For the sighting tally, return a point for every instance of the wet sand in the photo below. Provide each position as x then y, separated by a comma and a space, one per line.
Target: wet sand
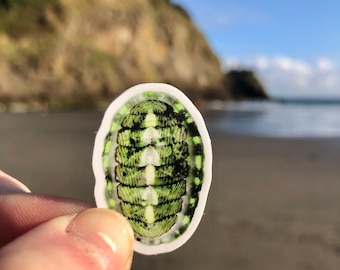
274, 203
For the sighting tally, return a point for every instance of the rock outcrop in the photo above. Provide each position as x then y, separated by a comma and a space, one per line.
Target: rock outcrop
244, 85
69, 52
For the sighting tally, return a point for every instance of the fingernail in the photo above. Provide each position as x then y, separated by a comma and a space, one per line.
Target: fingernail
110, 234
9, 185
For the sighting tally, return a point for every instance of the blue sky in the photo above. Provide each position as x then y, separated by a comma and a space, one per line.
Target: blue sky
292, 45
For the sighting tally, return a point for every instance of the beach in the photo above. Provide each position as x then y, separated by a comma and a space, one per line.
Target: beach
274, 202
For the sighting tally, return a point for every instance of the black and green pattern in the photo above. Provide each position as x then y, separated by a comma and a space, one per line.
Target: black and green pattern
153, 161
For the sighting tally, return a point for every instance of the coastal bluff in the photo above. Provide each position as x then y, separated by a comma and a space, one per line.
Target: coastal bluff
82, 53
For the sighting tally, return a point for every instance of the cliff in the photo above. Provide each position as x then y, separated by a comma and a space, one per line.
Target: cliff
85, 52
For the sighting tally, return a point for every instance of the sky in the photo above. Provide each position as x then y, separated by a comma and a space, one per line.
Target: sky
293, 46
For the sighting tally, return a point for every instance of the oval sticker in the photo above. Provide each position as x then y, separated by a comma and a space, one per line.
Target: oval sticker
152, 162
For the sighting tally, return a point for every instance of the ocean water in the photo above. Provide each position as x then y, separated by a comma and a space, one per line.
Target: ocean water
289, 118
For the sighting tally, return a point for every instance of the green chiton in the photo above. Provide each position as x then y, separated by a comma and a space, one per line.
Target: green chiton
152, 162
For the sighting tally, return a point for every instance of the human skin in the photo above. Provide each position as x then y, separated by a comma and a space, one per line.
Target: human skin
48, 232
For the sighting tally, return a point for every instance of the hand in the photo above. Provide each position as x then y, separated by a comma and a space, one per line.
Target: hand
46, 232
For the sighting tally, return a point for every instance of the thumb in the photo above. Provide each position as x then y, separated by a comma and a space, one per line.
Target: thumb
94, 239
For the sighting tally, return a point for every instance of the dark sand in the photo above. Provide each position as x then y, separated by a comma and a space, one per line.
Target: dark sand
274, 203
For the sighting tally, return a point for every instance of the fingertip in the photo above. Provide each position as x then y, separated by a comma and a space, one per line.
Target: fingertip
109, 231
9, 184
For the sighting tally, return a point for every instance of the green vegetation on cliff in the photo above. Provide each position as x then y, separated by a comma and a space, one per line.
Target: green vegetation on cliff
22, 18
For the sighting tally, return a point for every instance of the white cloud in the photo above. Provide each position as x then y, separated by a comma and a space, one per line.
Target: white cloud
291, 65
231, 63
324, 64
286, 76
262, 62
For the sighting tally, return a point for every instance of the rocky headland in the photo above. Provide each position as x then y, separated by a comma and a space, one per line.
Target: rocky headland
83, 53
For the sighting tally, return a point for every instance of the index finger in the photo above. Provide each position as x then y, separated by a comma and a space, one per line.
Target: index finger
21, 211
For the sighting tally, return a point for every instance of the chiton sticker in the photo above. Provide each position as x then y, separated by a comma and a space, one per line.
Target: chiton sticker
152, 162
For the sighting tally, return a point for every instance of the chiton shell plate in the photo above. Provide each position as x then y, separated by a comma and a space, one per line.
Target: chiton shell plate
152, 162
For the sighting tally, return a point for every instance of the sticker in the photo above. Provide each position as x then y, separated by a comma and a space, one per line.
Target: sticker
152, 162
